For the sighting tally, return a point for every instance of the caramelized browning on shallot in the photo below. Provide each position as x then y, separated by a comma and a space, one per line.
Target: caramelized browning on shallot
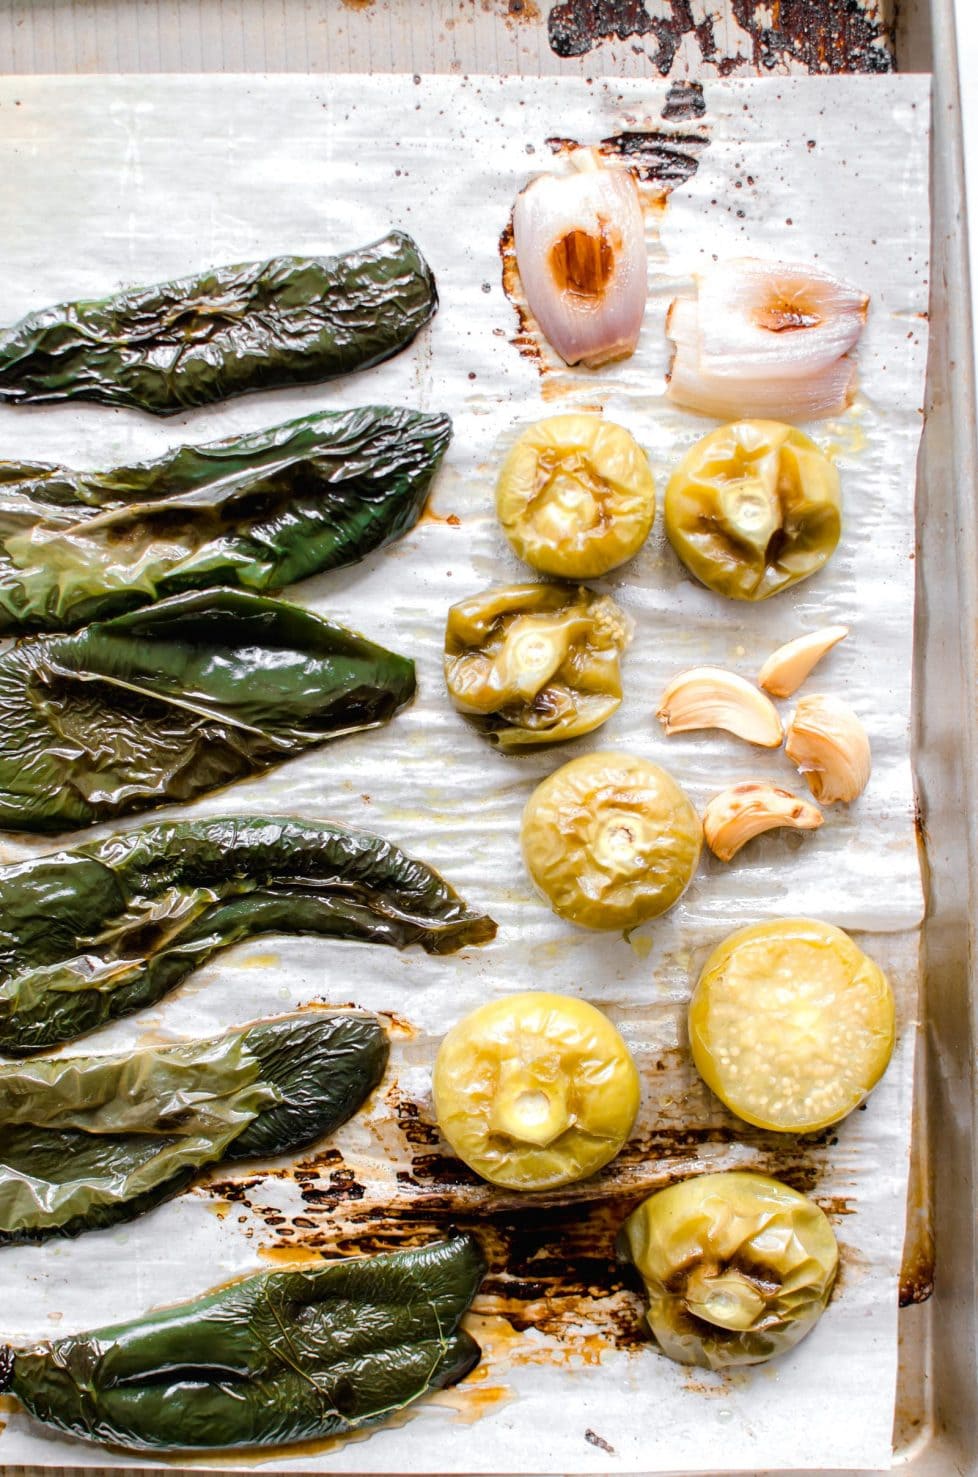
580, 249
765, 339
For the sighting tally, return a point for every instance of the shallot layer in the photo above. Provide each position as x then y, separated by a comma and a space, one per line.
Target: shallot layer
580, 249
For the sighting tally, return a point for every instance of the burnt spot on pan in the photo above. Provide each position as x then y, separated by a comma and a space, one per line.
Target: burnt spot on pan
789, 35
554, 1267
684, 100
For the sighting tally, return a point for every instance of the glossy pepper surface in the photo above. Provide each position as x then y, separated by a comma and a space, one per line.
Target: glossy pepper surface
610, 840
89, 935
274, 1358
91, 1141
791, 1024
535, 1090
256, 511
170, 346
163, 704
753, 508
535, 664
737, 1267
575, 496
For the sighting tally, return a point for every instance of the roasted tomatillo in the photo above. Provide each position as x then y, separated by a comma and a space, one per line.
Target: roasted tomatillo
575, 496
535, 663
791, 1024
737, 1267
610, 840
535, 1090
753, 508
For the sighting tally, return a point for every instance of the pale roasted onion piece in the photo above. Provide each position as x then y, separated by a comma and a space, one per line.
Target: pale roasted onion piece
580, 249
761, 338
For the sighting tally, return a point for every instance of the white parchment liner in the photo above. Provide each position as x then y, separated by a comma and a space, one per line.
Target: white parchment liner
105, 181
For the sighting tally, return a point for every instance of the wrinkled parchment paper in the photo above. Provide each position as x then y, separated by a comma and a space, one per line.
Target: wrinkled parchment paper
105, 181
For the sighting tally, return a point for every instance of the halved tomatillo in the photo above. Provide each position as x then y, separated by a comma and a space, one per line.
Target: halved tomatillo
791, 1024
753, 508
535, 1090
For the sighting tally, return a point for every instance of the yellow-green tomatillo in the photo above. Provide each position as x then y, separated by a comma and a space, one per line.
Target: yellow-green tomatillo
791, 1024
753, 508
610, 840
535, 663
737, 1267
535, 1090
576, 496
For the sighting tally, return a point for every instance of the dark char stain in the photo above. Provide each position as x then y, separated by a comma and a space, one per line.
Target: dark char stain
684, 100
553, 1258
816, 35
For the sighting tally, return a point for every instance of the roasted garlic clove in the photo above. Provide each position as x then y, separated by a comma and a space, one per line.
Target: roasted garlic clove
786, 669
831, 748
733, 817
710, 697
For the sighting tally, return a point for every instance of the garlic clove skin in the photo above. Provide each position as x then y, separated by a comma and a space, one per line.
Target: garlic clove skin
831, 748
580, 249
744, 811
786, 669
711, 697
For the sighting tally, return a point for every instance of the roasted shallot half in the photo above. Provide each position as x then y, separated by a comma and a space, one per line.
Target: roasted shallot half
765, 339
580, 250
736, 815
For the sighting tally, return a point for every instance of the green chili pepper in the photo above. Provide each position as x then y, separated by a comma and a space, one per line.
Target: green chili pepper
256, 511
92, 934
90, 1141
166, 703
278, 1357
167, 347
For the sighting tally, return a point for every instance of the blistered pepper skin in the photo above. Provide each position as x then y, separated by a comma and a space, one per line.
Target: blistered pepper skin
576, 496
737, 1267
230, 330
535, 664
753, 508
791, 1024
535, 1090
610, 840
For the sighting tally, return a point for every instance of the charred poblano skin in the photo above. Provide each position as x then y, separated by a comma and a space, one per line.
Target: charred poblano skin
275, 1358
165, 703
89, 935
170, 346
91, 1141
255, 512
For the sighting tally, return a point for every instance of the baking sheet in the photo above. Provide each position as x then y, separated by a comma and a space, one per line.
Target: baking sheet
113, 180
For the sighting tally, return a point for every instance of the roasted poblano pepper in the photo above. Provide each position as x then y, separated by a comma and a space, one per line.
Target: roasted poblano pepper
256, 511
89, 935
165, 703
291, 320
90, 1141
279, 1357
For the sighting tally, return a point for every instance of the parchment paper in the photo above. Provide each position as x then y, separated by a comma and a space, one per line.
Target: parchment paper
105, 181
